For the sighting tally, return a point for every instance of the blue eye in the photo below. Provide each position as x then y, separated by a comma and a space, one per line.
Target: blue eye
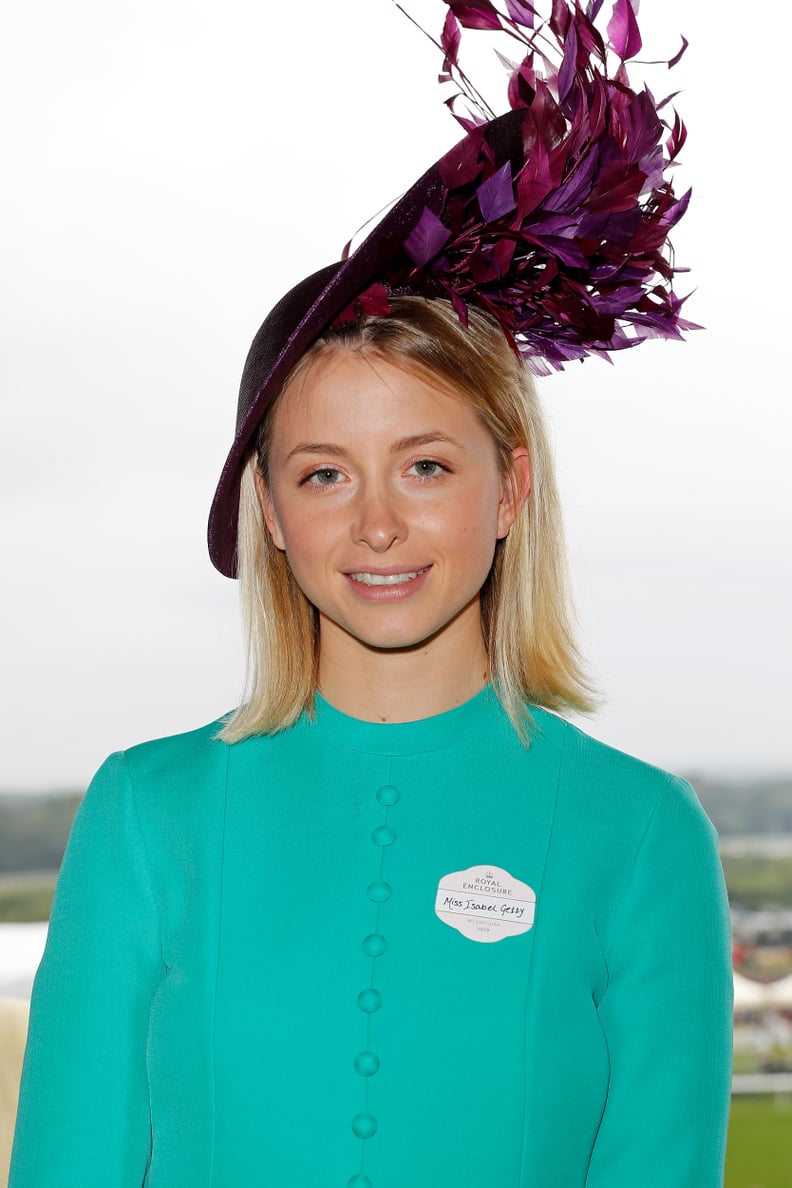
427, 468
326, 476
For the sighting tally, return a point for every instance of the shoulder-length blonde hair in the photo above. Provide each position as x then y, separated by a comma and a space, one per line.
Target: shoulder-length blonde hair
526, 610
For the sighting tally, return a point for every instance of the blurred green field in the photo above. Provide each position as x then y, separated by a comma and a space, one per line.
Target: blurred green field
759, 1153
26, 898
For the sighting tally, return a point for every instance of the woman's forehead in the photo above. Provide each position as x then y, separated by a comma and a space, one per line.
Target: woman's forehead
338, 385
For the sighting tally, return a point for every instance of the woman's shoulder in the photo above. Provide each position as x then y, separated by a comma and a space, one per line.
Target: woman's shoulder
183, 767
201, 742
602, 783
168, 791
585, 752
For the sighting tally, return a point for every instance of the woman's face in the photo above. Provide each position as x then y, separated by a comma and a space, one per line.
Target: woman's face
386, 495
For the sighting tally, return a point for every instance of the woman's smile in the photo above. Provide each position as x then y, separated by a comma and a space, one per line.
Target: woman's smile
388, 585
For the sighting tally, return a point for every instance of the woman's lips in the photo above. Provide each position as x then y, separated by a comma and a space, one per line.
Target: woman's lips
386, 585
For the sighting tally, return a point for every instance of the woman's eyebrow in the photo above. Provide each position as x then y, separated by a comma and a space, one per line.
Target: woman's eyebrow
415, 441
318, 447
424, 439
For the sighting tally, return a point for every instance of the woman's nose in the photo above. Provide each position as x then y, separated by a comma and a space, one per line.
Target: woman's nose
378, 521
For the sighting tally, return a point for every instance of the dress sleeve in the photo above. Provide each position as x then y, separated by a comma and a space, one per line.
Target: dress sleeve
667, 1010
84, 1114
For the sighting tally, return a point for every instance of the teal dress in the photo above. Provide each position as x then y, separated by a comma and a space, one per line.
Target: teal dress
379, 956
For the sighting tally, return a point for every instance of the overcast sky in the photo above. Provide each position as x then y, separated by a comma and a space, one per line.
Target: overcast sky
172, 168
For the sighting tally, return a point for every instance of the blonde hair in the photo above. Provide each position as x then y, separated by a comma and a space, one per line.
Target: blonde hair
526, 608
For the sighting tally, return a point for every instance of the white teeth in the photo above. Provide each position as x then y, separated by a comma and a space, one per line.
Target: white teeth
385, 579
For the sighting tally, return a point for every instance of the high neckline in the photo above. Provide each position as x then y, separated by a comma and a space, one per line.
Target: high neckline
403, 738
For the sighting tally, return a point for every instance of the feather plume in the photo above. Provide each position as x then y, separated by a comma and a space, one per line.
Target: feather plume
554, 217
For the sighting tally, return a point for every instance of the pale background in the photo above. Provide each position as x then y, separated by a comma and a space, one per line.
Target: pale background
172, 167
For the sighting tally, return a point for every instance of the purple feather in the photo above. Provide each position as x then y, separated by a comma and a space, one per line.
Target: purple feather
521, 13
552, 224
450, 40
427, 239
567, 72
373, 300
496, 195
475, 14
623, 30
677, 138
522, 85
460, 308
565, 250
560, 18
503, 254
589, 37
463, 163
673, 61
640, 124
675, 212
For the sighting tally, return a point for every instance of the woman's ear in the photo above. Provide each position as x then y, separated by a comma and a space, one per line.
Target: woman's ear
516, 488
268, 510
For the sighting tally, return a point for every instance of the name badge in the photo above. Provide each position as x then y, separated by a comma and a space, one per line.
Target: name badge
485, 903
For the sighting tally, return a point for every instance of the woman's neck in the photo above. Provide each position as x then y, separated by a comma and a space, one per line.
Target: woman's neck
404, 684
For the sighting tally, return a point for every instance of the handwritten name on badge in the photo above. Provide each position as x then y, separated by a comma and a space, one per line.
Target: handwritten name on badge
485, 903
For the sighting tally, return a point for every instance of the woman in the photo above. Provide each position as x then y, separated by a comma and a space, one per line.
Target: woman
394, 921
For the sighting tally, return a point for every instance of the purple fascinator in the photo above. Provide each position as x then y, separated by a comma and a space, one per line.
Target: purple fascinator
553, 217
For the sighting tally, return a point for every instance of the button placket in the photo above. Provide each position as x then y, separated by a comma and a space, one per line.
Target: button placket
369, 1000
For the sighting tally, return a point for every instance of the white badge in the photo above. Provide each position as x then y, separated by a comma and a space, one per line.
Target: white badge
485, 903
